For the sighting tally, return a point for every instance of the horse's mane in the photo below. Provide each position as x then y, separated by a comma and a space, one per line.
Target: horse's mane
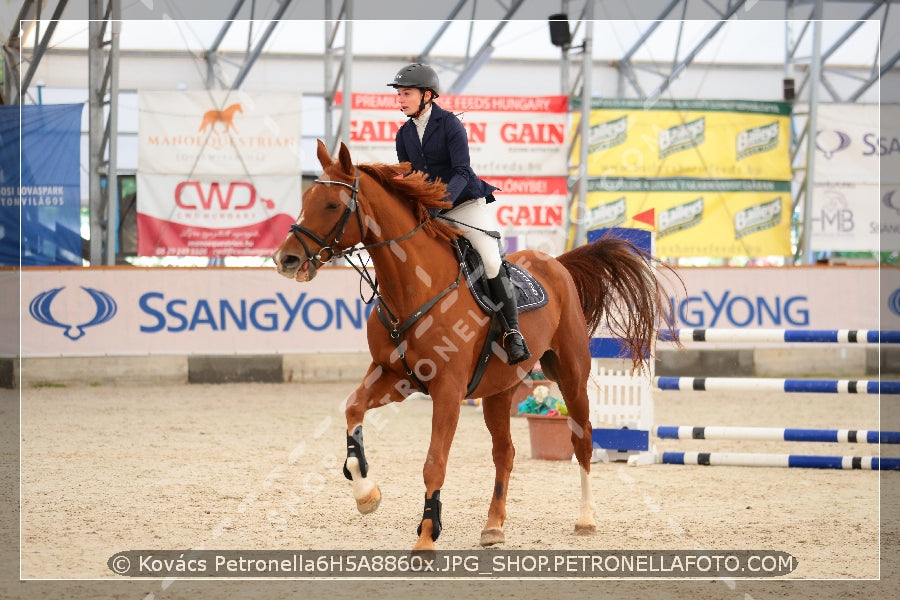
421, 195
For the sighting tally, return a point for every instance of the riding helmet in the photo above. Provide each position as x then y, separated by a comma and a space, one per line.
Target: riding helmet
417, 75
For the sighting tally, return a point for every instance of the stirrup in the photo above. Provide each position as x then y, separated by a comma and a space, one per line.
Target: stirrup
526, 353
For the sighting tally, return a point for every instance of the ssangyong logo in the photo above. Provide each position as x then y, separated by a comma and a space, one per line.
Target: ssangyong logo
40, 310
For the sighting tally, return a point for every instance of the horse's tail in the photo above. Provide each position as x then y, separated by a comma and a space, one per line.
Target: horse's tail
618, 287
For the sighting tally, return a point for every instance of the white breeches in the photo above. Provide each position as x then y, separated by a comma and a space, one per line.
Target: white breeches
471, 214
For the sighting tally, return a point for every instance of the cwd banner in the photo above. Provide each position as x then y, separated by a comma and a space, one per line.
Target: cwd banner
698, 217
40, 184
716, 139
219, 172
509, 136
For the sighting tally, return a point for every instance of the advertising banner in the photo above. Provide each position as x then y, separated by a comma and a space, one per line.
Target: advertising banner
218, 172
215, 215
845, 212
127, 311
714, 139
522, 136
40, 143
845, 217
698, 217
848, 143
531, 212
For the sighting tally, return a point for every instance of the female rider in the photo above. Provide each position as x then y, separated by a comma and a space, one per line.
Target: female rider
435, 142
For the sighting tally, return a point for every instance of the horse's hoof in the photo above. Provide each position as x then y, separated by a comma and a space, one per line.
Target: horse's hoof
585, 528
424, 547
370, 502
489, 537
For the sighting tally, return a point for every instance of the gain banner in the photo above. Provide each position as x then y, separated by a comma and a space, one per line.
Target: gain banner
218, 172
521, 136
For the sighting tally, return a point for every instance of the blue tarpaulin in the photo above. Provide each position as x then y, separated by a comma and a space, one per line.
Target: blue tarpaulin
40, 144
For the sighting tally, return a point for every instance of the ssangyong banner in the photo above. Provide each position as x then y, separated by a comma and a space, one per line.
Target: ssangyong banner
218, 172
521, 136
127, 311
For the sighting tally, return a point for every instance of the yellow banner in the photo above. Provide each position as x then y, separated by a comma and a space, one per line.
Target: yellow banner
691, 217
688, 138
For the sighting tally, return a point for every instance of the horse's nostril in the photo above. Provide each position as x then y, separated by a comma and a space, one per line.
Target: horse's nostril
290, 261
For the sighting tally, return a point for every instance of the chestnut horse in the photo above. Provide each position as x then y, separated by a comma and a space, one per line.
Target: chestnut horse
430, 333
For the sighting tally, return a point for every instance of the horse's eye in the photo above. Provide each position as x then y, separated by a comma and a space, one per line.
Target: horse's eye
332, 206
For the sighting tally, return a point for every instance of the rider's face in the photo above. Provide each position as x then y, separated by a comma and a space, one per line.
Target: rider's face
410, 98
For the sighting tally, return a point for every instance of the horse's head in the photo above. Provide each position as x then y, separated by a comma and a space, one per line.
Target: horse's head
329, 220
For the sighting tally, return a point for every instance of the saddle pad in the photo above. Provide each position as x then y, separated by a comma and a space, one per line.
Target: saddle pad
530, 294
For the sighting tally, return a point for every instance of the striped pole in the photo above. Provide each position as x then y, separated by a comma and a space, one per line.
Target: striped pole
775, 434
752, 384
737, 459
833, 336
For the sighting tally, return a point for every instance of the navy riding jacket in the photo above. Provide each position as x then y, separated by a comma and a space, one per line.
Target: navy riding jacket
443, 154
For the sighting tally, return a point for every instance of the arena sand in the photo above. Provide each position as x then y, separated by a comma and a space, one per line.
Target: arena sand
258, 466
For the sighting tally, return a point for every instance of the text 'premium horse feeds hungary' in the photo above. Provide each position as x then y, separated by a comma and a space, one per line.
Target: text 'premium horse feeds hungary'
428, 332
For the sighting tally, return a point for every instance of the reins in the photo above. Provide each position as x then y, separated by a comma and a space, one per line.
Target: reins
388, 318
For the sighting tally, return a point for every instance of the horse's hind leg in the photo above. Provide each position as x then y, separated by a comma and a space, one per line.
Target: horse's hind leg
571, 372
496, 417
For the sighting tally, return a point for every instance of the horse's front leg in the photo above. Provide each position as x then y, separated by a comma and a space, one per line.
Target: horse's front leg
377, 389
444, 419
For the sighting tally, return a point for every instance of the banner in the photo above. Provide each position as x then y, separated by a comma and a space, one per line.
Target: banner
218, 172
127, 311
698, 217
522, 136
845, 211
46, 201
531, 212
846, 217
848, 143
211, 215
717, 139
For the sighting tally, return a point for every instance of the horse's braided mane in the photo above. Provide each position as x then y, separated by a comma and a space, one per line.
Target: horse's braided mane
421, 195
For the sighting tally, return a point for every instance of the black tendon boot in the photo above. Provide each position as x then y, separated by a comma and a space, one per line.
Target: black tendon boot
502, 293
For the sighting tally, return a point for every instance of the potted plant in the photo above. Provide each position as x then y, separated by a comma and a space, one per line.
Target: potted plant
548, 425
526, 389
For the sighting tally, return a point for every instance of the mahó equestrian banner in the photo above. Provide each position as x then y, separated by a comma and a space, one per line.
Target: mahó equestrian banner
218, 172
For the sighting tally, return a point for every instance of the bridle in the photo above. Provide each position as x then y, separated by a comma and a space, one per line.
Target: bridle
329, 250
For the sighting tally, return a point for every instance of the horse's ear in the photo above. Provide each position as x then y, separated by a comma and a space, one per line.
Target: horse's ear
344, 157
322, 153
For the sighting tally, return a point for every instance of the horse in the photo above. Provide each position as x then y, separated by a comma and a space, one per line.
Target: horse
426, 333
224, 116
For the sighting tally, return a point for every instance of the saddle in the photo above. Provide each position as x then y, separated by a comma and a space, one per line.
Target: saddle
530, 295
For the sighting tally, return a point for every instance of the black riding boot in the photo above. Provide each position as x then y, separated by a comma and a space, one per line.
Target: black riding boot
502, 293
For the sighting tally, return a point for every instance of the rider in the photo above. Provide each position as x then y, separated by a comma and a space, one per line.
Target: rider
435, 142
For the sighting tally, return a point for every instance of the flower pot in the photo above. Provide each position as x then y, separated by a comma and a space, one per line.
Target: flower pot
551, 437
522, 392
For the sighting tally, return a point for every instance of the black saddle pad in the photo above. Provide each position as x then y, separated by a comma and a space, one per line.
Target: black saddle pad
530, 294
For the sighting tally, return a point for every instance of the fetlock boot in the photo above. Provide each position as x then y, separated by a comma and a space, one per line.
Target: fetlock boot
503, 295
